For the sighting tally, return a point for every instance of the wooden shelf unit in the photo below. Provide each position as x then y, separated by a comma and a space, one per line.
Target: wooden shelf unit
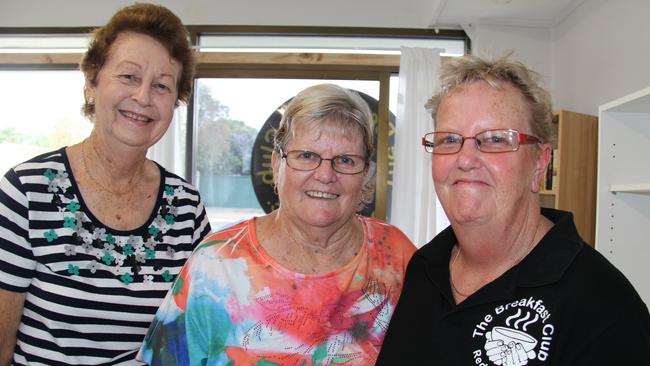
576, 143
623, 204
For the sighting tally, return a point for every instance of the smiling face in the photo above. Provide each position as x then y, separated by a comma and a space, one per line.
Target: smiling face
476, 187
135, 92
321, 197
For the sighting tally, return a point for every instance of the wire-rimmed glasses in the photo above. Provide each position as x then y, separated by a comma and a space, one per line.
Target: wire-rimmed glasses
305, 160
489, 141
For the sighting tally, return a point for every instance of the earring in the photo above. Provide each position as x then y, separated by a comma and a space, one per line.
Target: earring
275, 189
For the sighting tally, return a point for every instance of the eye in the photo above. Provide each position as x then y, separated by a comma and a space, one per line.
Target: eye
495, 138
307, 155
345, 160
127, 77
162, 87
449, 139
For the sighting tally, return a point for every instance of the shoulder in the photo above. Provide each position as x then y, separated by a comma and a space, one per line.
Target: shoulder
381, 230
52, 159
230, 236
599, 275
222, 253
377, 225
38, 173
174, 181
180, 193
439, 248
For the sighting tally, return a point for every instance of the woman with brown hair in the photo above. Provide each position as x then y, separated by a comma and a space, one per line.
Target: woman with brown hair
93, 234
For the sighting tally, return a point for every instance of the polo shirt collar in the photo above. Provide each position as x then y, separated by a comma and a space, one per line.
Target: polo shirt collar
545, 264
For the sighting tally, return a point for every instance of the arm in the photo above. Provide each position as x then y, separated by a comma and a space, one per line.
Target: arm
202, 228
626, 341
11, 309
16, 261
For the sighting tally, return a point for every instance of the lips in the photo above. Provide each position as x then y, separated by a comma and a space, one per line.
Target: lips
136, 117
319, 194
469, 181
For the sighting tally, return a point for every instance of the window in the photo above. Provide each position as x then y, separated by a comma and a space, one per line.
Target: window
320, 44
41, 112
243, 75
234, 123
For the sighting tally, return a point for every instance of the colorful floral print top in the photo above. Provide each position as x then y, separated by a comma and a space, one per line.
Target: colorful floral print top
91, 291
234, 305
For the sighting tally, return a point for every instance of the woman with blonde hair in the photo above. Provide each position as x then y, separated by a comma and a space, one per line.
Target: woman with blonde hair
311, 283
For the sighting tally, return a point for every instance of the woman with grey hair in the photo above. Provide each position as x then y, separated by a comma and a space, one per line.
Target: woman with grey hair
507, 283
311, 283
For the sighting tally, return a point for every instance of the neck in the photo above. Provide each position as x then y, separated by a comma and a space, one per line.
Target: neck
112, 170
502, 241
322, 239
483, 253
308, 249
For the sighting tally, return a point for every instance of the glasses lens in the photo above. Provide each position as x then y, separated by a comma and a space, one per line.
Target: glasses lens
498, 140
445, 142
349, 164
303, 160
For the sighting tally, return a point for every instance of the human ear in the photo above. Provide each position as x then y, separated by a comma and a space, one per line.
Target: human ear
541, 164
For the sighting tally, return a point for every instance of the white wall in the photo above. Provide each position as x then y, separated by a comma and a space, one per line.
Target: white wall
598, 53
530, 45
602, 52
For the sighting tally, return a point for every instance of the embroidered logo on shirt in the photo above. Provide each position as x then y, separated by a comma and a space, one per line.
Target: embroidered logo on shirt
514, 334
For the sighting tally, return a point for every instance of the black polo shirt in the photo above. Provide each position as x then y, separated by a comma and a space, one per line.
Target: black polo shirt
564, 304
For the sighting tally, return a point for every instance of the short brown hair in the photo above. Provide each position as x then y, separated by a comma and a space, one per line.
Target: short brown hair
155, 21
462, 71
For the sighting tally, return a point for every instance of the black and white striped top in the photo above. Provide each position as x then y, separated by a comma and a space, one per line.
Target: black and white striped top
91, 290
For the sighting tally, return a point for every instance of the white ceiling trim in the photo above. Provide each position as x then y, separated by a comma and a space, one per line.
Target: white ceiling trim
512, 22
567, 11
438, 7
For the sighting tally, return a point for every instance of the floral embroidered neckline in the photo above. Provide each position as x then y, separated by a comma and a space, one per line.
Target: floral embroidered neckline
102, 250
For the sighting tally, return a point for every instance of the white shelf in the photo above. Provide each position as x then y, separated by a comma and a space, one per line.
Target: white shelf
643, 188
638, 102
623, 189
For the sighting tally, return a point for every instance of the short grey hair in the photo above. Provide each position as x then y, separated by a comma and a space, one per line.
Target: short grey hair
340, 109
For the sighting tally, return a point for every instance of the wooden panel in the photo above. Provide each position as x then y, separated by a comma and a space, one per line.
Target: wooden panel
39, 58
577, 144
262, 58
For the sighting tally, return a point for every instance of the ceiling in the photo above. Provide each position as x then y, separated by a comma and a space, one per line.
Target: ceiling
453, 14
531, 13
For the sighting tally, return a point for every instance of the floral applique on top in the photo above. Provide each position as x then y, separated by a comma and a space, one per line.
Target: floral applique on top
121, 255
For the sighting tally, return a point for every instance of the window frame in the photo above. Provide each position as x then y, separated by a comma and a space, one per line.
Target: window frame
312, 65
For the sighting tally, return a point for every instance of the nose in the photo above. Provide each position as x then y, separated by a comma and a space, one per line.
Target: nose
469, 154
325, 172
142, 94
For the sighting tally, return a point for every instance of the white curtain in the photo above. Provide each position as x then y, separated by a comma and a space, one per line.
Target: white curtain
414, 207
169, 150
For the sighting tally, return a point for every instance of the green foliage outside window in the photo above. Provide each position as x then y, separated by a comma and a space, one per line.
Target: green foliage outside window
224, 145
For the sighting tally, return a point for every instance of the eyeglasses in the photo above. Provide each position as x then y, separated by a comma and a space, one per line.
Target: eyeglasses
307, 160
490, 141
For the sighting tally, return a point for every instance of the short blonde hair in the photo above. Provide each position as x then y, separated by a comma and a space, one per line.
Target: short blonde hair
462, 71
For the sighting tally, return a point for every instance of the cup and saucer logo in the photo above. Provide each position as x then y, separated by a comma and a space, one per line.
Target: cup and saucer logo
514, 334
